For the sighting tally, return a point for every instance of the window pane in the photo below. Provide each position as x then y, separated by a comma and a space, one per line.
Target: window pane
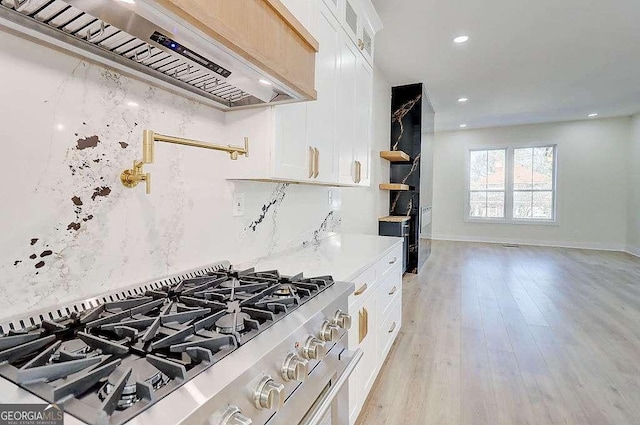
478, 170
543, 205
478, 204
522, 204
523, 169
543, 168
495, 204
496, 177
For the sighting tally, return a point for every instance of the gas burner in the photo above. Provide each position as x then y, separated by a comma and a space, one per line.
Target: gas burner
232, 322
75, 346
231, 283
142, 371
72, 350
284, 291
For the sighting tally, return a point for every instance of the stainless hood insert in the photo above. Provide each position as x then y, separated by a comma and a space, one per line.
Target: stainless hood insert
140, 39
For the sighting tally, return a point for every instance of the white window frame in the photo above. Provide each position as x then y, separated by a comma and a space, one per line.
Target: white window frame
509, 188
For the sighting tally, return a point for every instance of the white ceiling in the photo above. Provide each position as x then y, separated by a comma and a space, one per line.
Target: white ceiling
527, 61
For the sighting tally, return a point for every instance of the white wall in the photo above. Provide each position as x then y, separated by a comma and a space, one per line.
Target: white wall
121, 236
361, 207
592, 184
633, 213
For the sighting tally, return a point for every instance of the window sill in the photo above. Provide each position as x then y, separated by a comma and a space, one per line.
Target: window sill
507, 221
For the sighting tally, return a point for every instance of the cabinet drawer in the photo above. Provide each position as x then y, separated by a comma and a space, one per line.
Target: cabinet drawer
389, 291
390, 260
365, 286
389, 329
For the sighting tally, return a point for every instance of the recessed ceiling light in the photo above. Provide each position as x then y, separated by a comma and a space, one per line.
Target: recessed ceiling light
265, 82
593, 115
461, 39
463, 126
463, 100
132, 104
60, 127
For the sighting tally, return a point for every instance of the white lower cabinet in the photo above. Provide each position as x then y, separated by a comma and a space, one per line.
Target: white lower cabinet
376, 311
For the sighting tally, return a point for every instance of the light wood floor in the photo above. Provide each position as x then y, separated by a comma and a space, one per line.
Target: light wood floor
529, 335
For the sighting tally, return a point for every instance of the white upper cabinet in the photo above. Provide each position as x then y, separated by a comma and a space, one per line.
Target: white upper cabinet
346, 122
326, 141
322, 113
304, 11
364, 123
355, 94
360, 22
334, 6
291, 160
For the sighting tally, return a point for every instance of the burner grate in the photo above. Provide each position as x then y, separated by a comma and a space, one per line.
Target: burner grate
23, 324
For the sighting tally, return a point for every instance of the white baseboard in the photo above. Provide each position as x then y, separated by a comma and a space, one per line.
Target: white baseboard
633, 250
553, 244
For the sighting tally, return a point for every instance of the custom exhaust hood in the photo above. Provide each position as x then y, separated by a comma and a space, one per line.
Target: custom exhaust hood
141, 39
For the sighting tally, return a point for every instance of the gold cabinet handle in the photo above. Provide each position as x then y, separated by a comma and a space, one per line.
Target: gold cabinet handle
361, 326
316, 163
361, 290
311, 161
393, 327
366, 315
393, 290
355, 171
363, 330
394, 260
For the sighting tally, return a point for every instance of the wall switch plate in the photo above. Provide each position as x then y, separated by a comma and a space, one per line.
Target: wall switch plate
238, 204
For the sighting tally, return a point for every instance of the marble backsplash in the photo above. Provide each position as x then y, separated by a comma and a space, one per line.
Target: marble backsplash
70, 229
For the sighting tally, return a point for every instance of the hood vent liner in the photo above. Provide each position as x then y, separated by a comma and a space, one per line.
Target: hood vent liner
63, 21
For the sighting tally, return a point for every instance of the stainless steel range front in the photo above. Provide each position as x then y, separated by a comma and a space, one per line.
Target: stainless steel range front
211, 346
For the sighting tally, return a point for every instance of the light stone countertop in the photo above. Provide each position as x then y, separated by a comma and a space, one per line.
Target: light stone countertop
343, 256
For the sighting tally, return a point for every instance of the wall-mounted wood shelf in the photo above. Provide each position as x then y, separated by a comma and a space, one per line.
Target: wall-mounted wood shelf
393, 186
395, 156
395, 218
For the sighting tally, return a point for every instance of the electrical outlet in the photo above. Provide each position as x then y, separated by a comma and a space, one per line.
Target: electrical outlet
335, 201
238, 204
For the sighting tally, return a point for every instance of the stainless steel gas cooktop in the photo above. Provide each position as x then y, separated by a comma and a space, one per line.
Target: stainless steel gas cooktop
113, 360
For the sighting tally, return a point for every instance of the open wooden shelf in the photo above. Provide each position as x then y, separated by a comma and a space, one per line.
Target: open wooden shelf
395, 156
393, 186
394, 218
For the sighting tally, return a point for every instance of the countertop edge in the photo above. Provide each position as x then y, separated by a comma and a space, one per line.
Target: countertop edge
376, 259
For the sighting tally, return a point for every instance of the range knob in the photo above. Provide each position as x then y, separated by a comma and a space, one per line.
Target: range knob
295, 368
314, 349
342, 319
233, 416
329, 332
269, 394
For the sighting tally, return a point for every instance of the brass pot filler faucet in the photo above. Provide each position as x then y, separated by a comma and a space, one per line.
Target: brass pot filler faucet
131, 177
